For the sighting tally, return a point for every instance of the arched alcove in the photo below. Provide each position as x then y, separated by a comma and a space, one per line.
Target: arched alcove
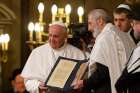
7, 17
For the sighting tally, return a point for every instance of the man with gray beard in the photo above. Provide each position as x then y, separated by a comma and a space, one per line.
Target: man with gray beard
109, 54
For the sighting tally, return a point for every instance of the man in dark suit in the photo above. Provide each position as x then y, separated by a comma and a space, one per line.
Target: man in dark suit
17, 83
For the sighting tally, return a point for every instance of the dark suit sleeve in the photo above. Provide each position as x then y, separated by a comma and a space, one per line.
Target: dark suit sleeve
99, 78
121, 83
127, 80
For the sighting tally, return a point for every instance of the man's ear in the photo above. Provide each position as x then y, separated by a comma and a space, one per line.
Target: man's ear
100, 21
132, 24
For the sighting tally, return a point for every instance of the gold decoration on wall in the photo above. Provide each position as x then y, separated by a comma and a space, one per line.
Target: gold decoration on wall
4, 40
36, 30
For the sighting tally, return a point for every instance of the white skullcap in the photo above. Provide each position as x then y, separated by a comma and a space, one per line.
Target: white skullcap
58, 23
124, 6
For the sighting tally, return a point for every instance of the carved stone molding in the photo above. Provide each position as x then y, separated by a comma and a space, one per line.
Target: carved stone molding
6, 15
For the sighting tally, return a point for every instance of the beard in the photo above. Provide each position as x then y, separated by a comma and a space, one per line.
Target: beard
96, 32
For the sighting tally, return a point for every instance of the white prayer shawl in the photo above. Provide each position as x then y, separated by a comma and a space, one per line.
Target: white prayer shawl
134, 60
112, 48
129, 34
42, 60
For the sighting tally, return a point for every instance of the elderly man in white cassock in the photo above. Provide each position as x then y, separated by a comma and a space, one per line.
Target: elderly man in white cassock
109, 54
43, 58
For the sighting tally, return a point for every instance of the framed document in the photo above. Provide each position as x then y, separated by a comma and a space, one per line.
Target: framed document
65, 72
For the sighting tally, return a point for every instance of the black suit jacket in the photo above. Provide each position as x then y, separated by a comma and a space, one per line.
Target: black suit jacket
99, 81
12, 91
128, 82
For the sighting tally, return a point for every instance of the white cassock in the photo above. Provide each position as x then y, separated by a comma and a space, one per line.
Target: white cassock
112, 48
42, 60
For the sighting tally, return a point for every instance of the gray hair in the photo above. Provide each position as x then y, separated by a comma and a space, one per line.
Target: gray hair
97, 13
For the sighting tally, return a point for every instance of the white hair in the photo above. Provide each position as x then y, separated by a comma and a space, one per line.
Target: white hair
58, 23
96, 13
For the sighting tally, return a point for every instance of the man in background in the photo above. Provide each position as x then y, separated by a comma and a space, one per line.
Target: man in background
122, 19
17, 82
129, 81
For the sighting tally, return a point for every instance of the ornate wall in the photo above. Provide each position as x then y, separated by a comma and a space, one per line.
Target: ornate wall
10, 23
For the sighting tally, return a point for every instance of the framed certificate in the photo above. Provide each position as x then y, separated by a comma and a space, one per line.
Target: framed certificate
65, 72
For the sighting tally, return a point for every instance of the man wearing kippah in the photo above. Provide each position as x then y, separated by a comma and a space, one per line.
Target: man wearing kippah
129, 81
122, 19
42, 59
